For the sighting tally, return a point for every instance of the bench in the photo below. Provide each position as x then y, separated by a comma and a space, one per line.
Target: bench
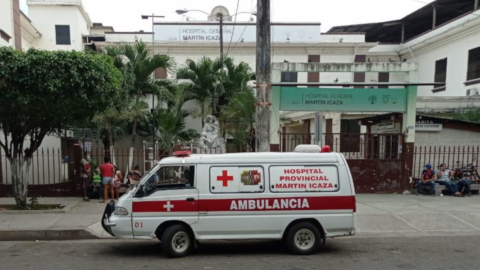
475, 188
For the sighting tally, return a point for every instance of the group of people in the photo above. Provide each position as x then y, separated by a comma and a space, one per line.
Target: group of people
105, 179
456, 181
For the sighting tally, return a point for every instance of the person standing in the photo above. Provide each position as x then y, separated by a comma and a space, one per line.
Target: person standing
117, 182
428, 177
85, 174
108, 171
443, 177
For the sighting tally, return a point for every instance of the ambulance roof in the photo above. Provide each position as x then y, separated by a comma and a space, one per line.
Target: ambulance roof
257, 158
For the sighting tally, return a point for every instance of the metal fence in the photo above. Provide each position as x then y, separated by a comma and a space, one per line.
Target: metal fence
463, 158
353, 146
49, 166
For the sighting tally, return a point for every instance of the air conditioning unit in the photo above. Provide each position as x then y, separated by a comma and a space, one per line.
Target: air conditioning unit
472, 92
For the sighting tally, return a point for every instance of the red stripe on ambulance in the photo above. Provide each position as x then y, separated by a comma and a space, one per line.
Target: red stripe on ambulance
253, 204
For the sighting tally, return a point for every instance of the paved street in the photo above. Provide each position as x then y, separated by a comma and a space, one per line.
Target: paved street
459, 252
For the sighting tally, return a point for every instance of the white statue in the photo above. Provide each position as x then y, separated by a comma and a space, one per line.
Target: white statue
209, 138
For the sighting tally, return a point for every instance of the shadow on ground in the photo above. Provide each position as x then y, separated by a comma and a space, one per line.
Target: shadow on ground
220, 248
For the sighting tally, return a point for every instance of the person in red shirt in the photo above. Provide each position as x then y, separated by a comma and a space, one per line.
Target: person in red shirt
107, 171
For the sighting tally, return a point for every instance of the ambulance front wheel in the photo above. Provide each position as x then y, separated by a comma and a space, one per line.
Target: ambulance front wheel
177, 241
303, 238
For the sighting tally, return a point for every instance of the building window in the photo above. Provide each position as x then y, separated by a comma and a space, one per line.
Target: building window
4, 36
473, 64
62, 33
289, 77
161, 73
441, 71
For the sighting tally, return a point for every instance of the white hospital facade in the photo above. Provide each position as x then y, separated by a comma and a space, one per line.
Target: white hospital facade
445, 50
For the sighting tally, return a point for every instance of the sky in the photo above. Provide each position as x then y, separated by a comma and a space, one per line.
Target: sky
124, 15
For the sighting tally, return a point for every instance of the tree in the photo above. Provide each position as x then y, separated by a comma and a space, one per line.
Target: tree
236, 79
170, 122
205, 82
42, 92
214, 82
137, 64
470, 116
112, 123
239, 117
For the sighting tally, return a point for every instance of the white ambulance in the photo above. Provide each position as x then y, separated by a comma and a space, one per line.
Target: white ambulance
301, 198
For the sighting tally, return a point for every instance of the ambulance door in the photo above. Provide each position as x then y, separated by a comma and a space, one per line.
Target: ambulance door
169, 194
225, 212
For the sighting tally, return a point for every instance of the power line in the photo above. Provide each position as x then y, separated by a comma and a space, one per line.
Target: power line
253, 11
234, 24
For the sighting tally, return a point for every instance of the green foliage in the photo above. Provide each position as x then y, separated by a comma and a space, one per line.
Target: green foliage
170, 122
222, 85
238, 117
470, 116
137, 65
45, 91
214, 82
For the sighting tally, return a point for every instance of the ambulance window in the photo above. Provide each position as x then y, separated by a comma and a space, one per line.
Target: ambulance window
322, 178
172, 177
237, 179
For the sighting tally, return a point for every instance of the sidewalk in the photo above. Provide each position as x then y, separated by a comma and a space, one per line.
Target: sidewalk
377, 216
410, 215
77, 220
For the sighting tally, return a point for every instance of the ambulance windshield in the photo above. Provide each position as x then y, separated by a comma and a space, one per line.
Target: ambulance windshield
169, 177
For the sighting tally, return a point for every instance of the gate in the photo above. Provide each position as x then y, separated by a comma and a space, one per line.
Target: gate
376, 161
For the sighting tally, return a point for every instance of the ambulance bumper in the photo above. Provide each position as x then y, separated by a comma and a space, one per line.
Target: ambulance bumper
106, 224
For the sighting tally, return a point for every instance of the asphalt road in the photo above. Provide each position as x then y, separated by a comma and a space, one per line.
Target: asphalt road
459, 252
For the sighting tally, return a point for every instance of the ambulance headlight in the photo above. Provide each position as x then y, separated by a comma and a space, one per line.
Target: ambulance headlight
120, 211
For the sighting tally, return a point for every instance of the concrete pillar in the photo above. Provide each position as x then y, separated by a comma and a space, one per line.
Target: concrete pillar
476, 5
275, 112
434, 22
409, 117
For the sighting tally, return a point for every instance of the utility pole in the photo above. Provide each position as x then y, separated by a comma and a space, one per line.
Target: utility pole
221, 35
153, 96
263, 71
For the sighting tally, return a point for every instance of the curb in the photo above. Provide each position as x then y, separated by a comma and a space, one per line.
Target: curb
46, 235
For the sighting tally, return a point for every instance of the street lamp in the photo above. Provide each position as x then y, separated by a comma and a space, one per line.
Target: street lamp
221, 18
145, 17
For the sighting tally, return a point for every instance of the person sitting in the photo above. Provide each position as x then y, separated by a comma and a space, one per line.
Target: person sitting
464, 184
97, 184
443, 177
428, 177
153, 180
134, 175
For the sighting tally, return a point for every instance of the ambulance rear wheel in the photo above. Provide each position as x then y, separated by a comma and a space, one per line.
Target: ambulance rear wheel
303, 238
177, 241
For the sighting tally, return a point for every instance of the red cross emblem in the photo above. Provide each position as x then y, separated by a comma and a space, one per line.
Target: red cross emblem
225, 178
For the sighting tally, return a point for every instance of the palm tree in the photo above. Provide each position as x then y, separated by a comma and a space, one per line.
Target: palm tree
138, 65
213, 82
237, 78
205, 81
238, 117
171, 121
